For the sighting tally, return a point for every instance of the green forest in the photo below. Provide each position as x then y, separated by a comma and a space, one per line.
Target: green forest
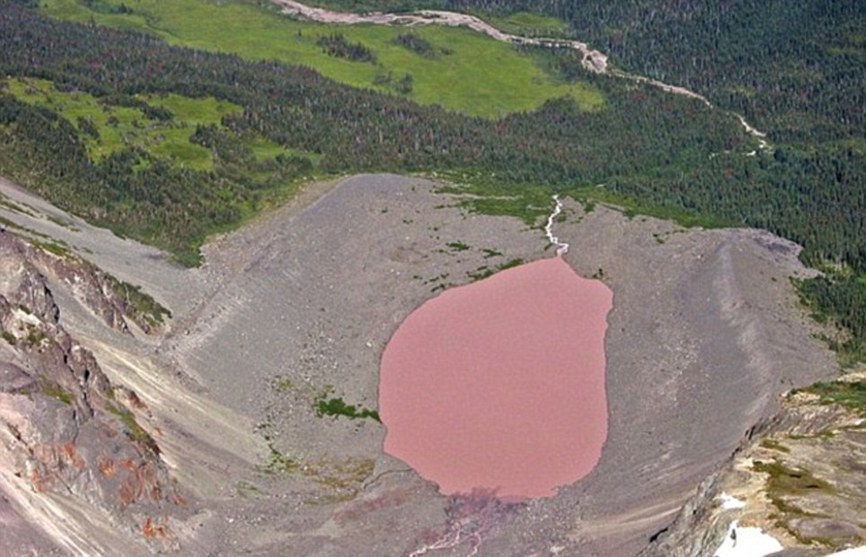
160, 141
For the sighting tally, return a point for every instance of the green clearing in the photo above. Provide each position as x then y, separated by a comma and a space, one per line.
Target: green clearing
482, 195
532, 203
479, 76
115, 128
633, 207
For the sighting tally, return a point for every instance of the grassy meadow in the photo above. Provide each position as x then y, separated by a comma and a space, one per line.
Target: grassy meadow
471, 73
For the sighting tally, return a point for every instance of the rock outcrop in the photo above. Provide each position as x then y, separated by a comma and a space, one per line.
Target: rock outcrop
64, 428
798, 477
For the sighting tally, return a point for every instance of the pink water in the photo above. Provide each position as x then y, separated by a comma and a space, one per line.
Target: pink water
499, 385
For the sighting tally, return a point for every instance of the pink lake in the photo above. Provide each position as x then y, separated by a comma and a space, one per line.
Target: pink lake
500, 384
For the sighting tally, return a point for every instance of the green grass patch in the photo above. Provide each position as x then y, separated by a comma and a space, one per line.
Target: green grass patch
486, 196
477, 76
533, 203
264, 149
486, 271
511, 263
851, 394
784, 484
34, 337
633, 207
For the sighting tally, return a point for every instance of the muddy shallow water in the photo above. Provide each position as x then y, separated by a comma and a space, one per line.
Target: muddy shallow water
500, 385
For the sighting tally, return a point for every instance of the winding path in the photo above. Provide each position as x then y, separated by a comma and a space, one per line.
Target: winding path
593, 60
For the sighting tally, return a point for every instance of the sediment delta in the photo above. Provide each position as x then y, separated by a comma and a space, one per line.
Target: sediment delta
297, 308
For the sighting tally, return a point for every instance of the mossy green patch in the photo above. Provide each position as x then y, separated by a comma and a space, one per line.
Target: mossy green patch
280, 462
783, 485
140, 305
632, 207
54, 247
335, 406
458, 246
774, 445
56, 391
132, 429
487, 196
851, 394
784, 481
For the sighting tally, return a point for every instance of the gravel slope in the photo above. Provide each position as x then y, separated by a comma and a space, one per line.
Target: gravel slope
704, 334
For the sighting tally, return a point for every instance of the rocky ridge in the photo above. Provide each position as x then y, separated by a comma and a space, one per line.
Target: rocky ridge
798, 476
65, 429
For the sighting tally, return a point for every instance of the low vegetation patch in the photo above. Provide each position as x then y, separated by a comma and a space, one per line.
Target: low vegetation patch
458, 246
773, 444
131, 427
528, 24
335, 406
141, 306
850, 394
420, 46
486, 271
280, 463
56, 391
54, 247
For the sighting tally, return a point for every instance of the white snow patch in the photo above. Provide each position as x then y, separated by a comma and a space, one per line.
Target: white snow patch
731, 502
747, 542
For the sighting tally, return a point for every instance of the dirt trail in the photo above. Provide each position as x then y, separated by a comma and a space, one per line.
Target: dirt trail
593, 60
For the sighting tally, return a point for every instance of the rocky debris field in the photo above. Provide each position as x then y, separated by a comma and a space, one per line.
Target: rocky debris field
71, 444
262, 383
